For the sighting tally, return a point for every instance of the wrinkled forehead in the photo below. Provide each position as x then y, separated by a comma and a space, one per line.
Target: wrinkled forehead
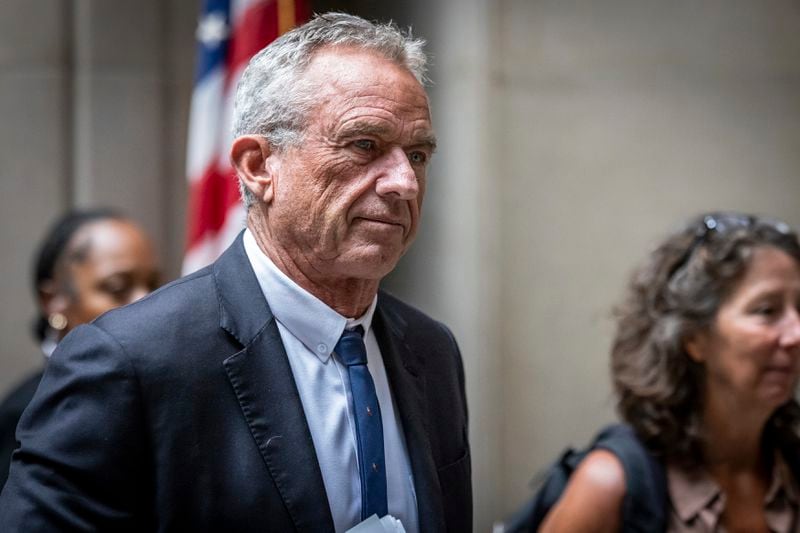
347, 83
336, 68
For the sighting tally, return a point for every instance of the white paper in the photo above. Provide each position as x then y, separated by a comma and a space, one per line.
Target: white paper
373, 524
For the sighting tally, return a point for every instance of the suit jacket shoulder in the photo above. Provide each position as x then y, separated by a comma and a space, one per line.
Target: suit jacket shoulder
176, 413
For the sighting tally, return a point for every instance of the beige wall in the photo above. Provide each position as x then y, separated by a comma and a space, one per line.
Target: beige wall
572, 134
33, 122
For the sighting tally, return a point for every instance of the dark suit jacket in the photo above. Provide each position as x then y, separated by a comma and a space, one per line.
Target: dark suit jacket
180, 413
10, 411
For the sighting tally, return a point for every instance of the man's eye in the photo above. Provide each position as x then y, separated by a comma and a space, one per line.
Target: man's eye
418, 158
364, 144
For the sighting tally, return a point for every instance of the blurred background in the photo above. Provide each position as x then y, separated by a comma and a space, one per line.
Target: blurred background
573, 133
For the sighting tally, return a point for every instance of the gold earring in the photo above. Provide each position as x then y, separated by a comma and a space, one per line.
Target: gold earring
57, 321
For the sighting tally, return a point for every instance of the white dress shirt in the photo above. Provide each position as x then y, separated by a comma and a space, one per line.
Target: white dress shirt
309, 330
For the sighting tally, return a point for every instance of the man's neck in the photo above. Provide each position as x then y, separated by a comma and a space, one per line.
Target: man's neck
350, 297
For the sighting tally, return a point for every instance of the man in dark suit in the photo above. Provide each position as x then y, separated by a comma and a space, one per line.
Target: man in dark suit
278, 389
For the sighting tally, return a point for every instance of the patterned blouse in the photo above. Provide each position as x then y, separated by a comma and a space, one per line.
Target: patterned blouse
697, 503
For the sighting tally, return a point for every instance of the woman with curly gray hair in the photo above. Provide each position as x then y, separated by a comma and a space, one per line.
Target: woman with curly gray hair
705, 363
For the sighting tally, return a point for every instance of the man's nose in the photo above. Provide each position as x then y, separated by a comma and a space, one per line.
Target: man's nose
397, 177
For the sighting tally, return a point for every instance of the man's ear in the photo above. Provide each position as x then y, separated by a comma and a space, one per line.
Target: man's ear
254, 161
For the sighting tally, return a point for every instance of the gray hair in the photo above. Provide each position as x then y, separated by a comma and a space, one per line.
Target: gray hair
272, 101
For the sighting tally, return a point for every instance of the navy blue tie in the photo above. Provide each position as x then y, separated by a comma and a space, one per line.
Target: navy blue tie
369, 428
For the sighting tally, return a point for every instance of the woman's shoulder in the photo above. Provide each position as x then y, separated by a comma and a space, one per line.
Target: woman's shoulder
592, 500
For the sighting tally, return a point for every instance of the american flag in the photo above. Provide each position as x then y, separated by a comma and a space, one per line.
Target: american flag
229, 32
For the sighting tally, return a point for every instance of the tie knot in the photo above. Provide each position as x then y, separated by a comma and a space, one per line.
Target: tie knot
351, 348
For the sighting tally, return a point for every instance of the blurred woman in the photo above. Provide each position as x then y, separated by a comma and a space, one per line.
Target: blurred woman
705, 363
89, 262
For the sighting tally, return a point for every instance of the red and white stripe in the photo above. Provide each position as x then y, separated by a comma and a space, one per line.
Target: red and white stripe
216, 214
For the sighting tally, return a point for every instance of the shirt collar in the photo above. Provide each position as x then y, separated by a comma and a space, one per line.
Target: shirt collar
305, 316
691, 491
782, 481
49, 343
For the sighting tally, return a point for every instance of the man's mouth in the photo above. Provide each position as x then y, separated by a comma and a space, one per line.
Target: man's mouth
387, 221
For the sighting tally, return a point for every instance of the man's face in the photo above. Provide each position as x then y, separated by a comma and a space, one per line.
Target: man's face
347, 198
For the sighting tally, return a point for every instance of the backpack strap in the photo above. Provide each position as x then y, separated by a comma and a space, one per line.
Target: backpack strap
792, 459
644, 508
550, 484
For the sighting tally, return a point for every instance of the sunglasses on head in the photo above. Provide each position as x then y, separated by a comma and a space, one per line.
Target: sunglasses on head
723, 223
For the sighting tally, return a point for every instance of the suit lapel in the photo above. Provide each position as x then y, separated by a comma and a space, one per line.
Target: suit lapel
264, 385
405, 371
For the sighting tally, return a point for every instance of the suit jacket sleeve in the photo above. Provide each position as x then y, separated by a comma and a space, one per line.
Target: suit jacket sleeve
455, 478
81, 463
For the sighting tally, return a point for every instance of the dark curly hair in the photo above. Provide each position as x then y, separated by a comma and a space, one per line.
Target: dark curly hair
673, 295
